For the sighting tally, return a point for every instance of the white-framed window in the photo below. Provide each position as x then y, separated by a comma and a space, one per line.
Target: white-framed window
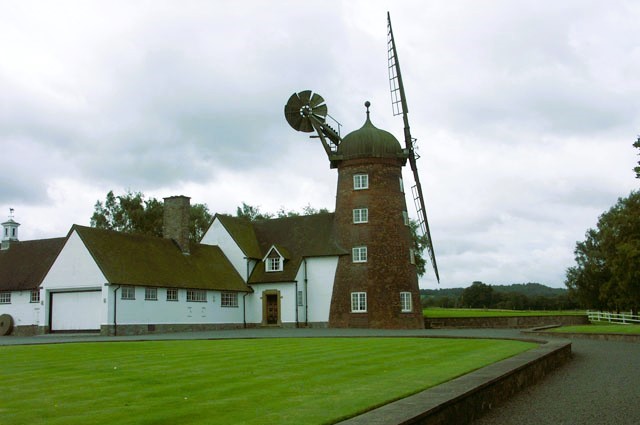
405, 302
405, 218
5, 297
151, 294
361, 215
35, 296
359, 254
300, 298
358, 302
196, 296
274, 264
412, 255
360, 181
229, 299
172, 294
128, 293
401, 185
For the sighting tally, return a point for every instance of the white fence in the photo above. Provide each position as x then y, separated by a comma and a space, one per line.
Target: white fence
603, 316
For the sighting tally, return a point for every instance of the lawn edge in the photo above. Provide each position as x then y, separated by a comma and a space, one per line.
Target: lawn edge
468, 397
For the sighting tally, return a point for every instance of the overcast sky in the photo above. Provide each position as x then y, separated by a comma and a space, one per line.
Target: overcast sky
525, 113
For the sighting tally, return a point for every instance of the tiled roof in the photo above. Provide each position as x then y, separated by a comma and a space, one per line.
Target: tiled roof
152, 261
299, 237
25, 264
242, 232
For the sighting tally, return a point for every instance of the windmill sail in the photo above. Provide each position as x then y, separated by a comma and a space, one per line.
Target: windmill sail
399, 105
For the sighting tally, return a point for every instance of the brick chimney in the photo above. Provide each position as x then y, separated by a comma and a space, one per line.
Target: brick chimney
176, 221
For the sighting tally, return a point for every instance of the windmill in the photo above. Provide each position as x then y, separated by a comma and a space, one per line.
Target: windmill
399, 105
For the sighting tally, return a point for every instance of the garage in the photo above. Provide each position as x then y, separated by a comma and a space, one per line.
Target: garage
76, 311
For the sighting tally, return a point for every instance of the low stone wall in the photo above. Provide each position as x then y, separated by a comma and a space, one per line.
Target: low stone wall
518, 322
619, 337
465, 399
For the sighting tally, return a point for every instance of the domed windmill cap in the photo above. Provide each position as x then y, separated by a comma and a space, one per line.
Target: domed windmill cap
370, 142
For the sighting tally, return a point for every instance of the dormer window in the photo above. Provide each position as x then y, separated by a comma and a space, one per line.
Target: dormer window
274, 264
274, 260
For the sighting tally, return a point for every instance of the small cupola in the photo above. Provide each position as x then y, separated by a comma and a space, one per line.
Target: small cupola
9, 231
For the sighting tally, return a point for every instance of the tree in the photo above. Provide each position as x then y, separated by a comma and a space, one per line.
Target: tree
636, 144
607, 270
478, 295
132, 213
420, 243
251, 213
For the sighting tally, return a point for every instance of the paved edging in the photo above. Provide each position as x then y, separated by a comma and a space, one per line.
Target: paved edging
596, 337
466, 398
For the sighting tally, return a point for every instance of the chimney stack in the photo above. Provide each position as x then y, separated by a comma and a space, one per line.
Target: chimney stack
175, 224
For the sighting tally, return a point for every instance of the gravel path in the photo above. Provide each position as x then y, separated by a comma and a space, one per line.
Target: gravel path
600, 385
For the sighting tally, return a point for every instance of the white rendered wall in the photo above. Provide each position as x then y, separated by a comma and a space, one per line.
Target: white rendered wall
288, 302
218, 235
141, 311
320, 274
73, 270
21, 309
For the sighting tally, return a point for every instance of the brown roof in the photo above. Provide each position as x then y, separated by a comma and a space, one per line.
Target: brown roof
25, 264
298, 237
152, 261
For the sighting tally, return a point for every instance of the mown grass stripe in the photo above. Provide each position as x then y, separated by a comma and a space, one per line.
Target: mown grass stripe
272, 381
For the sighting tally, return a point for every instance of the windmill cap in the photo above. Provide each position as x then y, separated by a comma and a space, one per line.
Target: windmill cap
370, 142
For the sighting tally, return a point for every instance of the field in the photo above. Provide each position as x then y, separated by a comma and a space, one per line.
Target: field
471, 312
600, 328
259, 381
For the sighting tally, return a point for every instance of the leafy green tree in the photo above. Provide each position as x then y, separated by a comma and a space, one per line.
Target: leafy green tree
636, 144
251, 213
132, 213
478, 295
607, 270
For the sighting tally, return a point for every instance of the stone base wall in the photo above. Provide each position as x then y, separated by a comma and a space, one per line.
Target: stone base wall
519, 322
29, 330
109, 330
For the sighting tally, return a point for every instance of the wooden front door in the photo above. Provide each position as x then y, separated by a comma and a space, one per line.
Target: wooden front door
272, 309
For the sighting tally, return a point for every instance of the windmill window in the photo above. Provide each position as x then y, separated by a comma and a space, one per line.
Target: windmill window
172, 294
405, 302
412, 256
360, 215
35, 296
401, 185
151, 294
405, 218
128, 293
359, 254
360, 181
274, 264
358, 302
5, 297
229, 299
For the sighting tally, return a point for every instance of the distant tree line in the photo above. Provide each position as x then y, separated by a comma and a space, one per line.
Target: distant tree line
529, 296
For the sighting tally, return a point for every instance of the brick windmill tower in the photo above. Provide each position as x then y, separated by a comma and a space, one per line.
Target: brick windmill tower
376, 285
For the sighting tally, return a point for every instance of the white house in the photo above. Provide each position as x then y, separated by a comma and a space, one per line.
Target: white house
242, 274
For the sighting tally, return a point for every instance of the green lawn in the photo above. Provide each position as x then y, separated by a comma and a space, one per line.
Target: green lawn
600, 328
265, 381
477, 312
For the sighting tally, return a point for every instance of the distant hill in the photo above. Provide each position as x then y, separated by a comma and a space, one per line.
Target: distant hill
518, 296
529, 289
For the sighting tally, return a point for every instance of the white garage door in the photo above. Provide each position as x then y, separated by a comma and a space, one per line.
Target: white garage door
76, 311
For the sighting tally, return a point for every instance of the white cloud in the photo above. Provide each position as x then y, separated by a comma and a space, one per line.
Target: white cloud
525, 114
